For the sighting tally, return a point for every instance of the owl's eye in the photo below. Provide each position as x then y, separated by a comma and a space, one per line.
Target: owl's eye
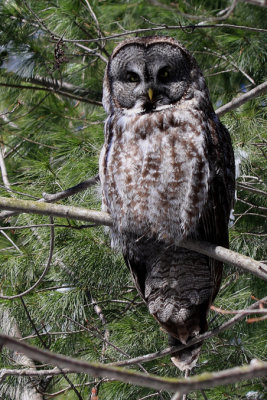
132, 77
164, 74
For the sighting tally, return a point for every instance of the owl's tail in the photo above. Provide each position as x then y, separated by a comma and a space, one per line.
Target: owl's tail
186, 358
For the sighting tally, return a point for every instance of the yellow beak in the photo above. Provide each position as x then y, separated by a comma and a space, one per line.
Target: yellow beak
150, 94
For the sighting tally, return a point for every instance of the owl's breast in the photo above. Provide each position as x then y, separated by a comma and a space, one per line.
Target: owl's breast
155, 173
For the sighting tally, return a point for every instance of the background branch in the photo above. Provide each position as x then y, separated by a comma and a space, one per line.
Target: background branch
255, 369
238, 101
170, 350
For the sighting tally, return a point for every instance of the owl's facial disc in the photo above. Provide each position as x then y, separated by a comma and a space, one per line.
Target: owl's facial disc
148, 78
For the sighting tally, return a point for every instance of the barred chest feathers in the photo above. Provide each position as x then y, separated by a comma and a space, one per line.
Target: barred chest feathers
157, 183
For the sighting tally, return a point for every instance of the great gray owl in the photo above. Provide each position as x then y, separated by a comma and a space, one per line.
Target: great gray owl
167, 174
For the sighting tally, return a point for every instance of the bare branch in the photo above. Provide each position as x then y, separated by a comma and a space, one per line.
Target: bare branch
71, 191
255, 369
54, 90
221, 311
65, 87
228, 59
190, 27
251, 189
238, 101
261, 3
228, 256
260, 208
3, 169
100, 218
59, 196
103, 58
55, 210
32, 372
9, 326
94, 18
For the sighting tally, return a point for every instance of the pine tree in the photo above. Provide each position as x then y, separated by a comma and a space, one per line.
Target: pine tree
51, 134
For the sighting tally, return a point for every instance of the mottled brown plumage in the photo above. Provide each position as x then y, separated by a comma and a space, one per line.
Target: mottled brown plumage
167, 174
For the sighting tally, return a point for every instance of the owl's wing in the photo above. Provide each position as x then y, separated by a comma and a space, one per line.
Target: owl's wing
214, 220
213, 226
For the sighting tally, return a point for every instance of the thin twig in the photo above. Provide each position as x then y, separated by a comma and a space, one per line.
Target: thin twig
27, 113
228, 60
64, 333
51, 249
11, 241
95, 332
230, 312
52, 90
191, 27
71, 191
94, 18
251, 189
169, 350
204, 395
260, 208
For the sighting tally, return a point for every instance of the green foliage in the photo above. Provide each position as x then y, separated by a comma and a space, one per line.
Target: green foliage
51, 136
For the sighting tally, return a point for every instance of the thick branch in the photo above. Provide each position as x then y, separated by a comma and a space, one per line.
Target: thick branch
100, 218
228, 256
255, 369
55, 210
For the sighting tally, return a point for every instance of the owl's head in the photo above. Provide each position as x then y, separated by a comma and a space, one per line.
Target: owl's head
149, 74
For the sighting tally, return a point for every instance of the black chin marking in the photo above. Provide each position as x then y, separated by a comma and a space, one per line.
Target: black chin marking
149, 107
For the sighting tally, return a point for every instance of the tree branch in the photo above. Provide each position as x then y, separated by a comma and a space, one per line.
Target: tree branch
238, 101
32, 372
71, 191
53, 90
190, 27
100, 218
255, 369
170, 350
228, 256
251, 189
260, 3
